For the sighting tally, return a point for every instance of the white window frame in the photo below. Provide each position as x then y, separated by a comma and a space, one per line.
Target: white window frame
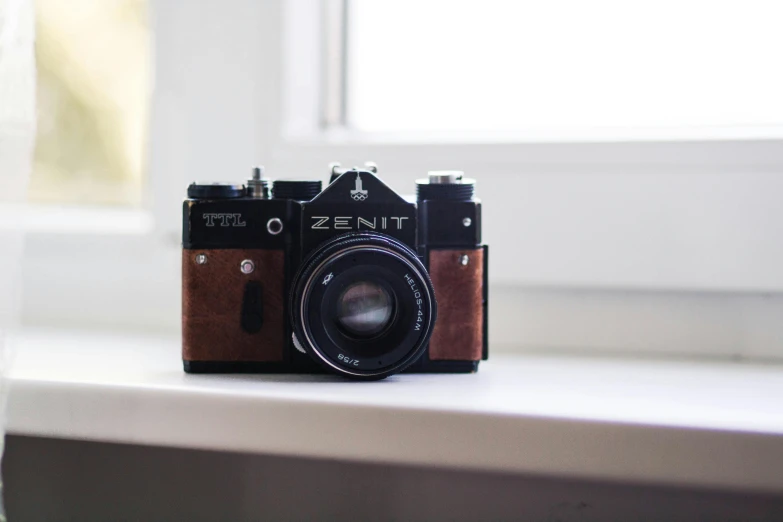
588, 211
680, 214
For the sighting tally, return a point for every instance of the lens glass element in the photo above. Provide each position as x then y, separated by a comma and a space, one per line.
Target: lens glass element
364, 309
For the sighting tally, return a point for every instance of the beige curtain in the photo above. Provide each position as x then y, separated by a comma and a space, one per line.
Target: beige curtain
17, 136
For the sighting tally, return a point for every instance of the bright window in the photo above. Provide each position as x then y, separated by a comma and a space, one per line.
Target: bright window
495, 65
94, 62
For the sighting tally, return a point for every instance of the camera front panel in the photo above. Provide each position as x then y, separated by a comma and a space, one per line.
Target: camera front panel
449, 227
357, 201
458, 276
233, 284
236, 223
233, 305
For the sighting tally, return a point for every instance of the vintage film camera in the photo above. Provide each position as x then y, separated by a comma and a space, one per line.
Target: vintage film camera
354, 279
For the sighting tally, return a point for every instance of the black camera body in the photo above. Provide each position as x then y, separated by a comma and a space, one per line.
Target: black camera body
353, 279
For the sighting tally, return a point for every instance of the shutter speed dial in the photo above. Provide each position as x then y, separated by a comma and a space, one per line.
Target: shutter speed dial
215, 190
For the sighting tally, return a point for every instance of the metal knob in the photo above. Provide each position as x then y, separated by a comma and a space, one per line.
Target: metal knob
443, 177
258, 186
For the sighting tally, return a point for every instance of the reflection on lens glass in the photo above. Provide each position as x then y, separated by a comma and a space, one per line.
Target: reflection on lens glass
364, 308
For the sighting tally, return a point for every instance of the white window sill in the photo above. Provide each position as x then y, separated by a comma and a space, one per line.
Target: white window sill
700, 424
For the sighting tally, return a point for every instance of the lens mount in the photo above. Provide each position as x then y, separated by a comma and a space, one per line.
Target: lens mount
363, 306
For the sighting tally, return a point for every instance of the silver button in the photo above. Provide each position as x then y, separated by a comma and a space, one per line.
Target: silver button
247, 266
274, 226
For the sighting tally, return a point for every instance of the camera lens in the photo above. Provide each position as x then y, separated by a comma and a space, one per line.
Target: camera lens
363, 306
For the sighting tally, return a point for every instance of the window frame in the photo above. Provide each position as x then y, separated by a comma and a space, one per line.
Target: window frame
671, 163
256, 70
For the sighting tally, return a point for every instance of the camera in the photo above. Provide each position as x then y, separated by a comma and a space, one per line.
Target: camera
353, 279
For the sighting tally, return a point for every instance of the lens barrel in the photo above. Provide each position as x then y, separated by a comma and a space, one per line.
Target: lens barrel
363, 306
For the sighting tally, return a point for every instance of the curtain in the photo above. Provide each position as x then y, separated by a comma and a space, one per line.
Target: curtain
17, 137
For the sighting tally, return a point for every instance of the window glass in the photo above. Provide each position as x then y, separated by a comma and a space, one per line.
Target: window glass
496, 65
93, 60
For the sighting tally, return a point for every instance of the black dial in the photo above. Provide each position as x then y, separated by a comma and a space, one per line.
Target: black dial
300, 190
445, 185
215, 190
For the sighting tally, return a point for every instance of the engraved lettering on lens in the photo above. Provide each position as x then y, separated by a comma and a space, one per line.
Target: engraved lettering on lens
348, 360
225, 220
417, 296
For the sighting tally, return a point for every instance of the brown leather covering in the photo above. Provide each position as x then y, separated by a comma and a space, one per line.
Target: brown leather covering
458, 333
212, 296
